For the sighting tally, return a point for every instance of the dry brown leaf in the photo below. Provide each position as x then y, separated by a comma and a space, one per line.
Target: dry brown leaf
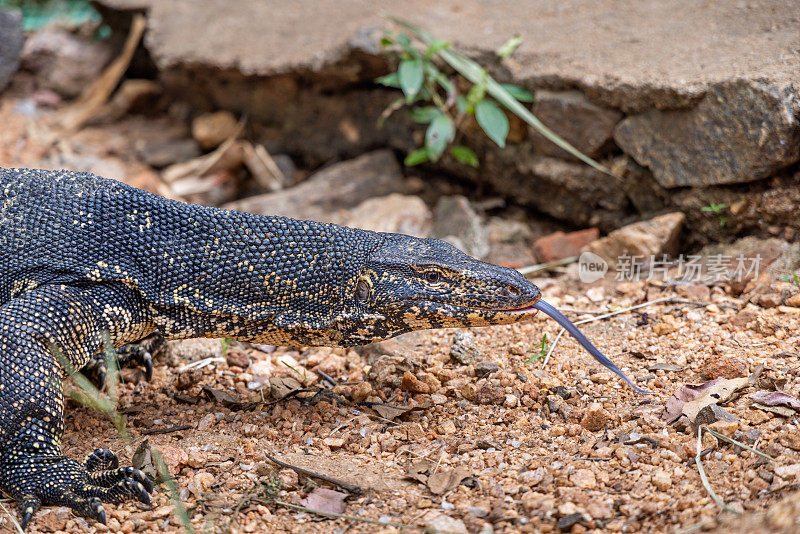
228, 157
263, 168
441, 481
223, 397
281, 386
783, 411
689, 399
390, 412
776, 398
418, 471
143, 460
447, 480
326, 500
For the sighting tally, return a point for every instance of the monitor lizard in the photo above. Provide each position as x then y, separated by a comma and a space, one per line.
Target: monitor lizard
86, 260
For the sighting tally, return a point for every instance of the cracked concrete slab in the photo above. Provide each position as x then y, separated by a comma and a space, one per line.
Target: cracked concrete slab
630, 54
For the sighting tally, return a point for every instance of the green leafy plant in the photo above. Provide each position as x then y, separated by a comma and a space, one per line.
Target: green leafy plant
542, 350
718, 210
435, 100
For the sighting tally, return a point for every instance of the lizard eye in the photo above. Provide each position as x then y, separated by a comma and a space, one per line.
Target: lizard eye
362, 290
433, 277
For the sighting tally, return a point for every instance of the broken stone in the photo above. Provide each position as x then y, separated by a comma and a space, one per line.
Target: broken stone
413, 384
559, 245
11, 42
653, 237
340, 186
724, 366
456, 221
571, 115
595, 418
788, 471
662, 480
568, 191
395, 213
584, 479
237, 358
740, 132
443, 523
335, 442
64, 62
514, 256
485, 368
508, 231
711, 414
464, 349
567, 522
212, 129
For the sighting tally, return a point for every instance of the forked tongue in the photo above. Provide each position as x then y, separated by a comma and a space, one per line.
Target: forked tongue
596, 354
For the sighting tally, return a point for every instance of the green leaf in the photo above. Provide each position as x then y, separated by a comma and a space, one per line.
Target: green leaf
523, 95
505, 51
442, 80
390, 80
420, 155
386, 41
424, 115
439, 134
435, 47
476, 74
461, 104
464, 155
475, 95
493, 121
410, 76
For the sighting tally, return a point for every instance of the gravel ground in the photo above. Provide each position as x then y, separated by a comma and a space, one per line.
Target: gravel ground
565, 447
510, 445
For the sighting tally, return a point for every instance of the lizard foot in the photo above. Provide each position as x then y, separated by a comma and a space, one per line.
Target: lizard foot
57, 480
139, 354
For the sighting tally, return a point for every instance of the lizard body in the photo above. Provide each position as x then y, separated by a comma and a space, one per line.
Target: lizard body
84, 259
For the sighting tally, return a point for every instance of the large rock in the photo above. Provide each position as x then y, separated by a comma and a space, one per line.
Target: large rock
558, 245
341, 186
11, 42
742, 131
457, 222
396, 213
568, 191
586, 126
654, 237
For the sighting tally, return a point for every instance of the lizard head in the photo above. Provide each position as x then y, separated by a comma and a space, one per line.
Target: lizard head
409, 283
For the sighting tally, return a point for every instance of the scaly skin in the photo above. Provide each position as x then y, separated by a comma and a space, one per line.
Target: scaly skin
84, 259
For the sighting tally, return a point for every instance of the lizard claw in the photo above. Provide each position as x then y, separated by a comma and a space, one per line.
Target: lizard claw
27, 507
83, 487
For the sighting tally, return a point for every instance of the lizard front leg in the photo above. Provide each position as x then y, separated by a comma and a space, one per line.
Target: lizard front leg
39, 331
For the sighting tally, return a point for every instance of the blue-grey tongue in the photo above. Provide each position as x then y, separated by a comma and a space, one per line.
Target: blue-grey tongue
591, 349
